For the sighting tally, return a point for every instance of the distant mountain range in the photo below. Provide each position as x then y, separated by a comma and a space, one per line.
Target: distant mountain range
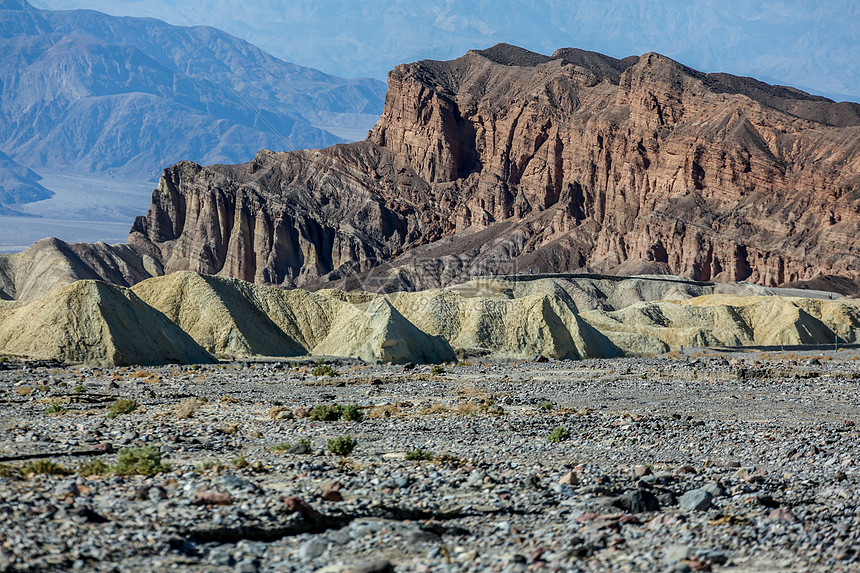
85, 92
810, 44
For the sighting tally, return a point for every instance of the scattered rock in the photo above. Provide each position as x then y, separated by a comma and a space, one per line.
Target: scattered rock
299, 506
783, 514
66, 488
313, 548
638, 501
380, 566
331, 491
696, 500
208, 497
641, 470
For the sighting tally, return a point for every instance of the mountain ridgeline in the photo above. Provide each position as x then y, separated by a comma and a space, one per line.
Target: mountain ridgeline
505, 160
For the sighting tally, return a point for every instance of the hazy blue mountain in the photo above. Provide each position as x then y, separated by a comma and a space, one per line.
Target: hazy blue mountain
86, 92
18, 185
811, 44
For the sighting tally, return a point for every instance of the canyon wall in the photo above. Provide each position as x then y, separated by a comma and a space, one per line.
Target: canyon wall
509, 161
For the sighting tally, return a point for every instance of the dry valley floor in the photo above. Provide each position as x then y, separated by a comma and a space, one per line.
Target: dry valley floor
722, 462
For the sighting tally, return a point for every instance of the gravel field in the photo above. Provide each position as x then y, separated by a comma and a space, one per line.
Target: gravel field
701, 462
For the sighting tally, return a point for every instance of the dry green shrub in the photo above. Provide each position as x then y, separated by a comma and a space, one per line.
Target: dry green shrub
325, 370
54, 409
348, 412
24, 390
45, 467
352, 413
139, 461
559, 434
418, 455
94, 467
342, 445
121, 406
213, 465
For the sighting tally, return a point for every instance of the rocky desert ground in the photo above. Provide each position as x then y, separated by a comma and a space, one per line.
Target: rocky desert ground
692, 461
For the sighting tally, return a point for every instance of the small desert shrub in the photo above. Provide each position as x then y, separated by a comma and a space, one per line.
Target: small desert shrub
186, 408
325, 370
546, 406
121, 406
322, 413
279, 413
44, 387
231, 430
54, 409
7, 471
468, 409
239, 463
559, 434
80, 389
435, 409
349, 412
92, 468
418, 455
471, 391
209, 465
342, 445
45, 467
24, 390
352, 413
437, 369
282, 447
139, 461
383, 411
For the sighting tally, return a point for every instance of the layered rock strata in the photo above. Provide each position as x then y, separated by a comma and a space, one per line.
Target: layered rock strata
506, 159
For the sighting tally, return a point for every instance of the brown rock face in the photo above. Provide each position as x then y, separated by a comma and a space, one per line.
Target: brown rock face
506, 159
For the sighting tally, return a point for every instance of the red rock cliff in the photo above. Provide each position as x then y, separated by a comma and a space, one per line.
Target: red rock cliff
552, 163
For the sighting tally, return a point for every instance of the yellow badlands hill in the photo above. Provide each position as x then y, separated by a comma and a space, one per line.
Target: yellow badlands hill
187, 317
95, 323
232, 318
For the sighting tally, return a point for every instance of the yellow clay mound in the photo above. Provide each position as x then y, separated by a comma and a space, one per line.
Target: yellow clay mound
95, 323
181, 316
